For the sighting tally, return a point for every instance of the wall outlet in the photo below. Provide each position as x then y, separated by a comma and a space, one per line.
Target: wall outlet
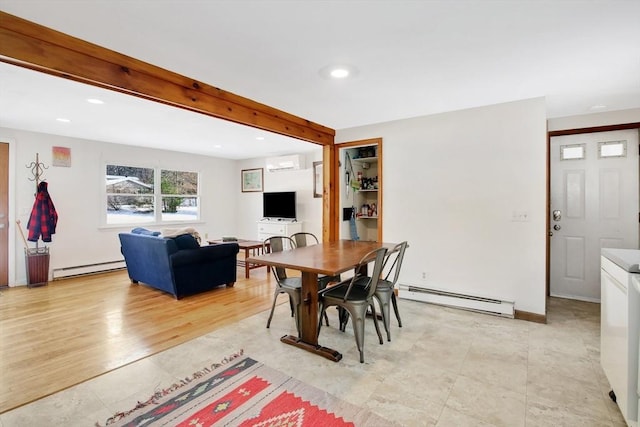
424, 275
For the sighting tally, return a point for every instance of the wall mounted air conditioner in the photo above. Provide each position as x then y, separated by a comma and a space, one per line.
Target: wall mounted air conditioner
285, 163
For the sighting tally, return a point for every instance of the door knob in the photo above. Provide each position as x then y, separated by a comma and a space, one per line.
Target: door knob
557, 227
557, 215
550, 233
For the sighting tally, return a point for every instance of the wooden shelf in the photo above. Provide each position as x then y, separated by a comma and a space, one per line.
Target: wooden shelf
365, 160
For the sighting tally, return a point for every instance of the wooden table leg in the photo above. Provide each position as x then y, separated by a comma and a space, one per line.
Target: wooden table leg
308, 313
246, 264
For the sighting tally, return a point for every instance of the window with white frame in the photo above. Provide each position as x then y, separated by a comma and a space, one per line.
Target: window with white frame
139, 195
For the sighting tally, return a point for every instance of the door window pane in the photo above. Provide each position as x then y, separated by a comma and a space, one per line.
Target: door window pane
612, 149
572, 152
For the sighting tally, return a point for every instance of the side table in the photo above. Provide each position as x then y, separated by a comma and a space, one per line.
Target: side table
250, 247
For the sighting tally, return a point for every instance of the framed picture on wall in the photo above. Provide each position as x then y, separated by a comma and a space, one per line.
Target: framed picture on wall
317, 179
251, 180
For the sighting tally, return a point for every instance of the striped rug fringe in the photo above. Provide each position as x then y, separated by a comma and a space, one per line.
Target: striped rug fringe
175, 386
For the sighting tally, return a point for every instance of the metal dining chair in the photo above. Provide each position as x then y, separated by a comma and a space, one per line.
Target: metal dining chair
385, 291
288, 285
303, 239
355, 296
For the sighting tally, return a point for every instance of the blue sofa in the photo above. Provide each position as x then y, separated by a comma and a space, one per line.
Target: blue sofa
178, 265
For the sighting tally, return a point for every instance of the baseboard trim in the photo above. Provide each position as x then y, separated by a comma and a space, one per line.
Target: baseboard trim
530, 317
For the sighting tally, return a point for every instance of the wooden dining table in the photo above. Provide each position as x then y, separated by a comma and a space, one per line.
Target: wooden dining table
328, 258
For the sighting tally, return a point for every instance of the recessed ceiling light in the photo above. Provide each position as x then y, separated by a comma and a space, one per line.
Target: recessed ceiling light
597, 107
217, 146
63, 120
338, 72
95, 101
260, 138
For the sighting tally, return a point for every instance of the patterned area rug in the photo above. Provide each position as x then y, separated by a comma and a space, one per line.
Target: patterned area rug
244, 392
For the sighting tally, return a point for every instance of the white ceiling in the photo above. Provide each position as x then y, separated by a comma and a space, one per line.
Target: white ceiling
413, 58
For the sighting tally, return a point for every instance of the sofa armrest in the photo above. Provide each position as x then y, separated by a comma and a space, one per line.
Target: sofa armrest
204, 254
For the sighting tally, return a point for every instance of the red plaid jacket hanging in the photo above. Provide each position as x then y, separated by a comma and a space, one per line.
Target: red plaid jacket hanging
44, 218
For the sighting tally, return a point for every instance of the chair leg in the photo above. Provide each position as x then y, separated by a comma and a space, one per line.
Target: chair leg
395, 308
273, 306
383, 300
343, 315
291, 304
375, 322
358, 317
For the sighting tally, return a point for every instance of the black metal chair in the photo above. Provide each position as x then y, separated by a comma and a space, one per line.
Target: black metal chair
385, 292
288, 285
355, 296
304, 238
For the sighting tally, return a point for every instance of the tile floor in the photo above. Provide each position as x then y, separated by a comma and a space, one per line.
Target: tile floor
445, 367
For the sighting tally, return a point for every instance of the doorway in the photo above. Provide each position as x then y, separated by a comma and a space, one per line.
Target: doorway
360, 190
593, 204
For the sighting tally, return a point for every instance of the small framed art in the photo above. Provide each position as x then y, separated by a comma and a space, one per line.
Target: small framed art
252, 180
317, 179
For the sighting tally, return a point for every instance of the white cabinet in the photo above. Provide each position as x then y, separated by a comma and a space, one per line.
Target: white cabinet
619, 329
267, 229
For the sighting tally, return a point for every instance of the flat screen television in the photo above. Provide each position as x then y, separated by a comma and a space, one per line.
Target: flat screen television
281, 204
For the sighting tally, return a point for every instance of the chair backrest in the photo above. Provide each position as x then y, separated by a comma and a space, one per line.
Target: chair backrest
397, 254
303, 238
377, 257
278, 244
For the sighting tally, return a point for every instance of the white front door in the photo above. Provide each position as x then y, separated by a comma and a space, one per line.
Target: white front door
594, 205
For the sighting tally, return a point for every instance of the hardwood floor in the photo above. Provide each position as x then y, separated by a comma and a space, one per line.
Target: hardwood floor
62, 334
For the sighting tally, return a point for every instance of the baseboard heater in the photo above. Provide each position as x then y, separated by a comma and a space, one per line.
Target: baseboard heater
451, 299
79, 270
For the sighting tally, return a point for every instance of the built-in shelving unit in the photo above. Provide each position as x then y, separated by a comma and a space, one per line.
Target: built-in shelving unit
362, 168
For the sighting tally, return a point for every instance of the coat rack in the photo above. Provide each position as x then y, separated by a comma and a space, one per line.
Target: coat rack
37, 169
36, 259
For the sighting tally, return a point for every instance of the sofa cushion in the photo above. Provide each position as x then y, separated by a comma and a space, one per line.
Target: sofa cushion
205, 254
140, 230
186, 241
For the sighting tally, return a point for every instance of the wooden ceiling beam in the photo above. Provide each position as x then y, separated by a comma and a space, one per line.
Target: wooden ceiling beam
34, 46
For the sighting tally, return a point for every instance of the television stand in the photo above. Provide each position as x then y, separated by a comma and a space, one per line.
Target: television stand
270, 227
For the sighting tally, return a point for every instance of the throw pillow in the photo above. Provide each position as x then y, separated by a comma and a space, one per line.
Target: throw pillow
140, 230
186, 241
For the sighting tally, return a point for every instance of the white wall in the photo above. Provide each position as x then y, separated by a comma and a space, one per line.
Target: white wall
308, 208
80, 238
452, 183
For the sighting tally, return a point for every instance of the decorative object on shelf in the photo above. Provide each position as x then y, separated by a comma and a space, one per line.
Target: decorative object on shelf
252, 180
317, 180
61, 156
